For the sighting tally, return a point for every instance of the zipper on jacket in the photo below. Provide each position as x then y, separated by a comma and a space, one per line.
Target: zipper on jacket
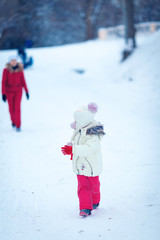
90, 166
79, 136
78, 144
85, 158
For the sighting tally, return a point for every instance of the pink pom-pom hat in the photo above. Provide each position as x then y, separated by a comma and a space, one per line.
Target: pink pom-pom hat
92, 107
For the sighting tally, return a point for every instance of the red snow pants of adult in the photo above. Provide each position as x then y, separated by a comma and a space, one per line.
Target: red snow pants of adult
14, 102
88, 191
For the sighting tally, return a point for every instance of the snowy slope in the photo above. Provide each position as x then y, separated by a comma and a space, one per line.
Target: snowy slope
38, 189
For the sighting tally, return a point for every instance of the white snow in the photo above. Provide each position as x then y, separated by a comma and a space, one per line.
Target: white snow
38, 191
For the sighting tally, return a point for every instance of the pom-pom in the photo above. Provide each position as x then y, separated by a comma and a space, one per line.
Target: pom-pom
92, 107
73, 125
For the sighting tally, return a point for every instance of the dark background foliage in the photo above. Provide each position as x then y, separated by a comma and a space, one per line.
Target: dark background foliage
57, 22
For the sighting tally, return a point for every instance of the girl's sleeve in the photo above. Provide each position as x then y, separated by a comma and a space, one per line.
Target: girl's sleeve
24, 82
91, 145
4, 78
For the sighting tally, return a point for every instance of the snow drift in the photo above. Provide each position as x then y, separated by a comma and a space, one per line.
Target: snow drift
38, 190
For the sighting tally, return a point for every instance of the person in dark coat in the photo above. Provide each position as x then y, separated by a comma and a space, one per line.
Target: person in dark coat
22, 54
27, 61
13, 81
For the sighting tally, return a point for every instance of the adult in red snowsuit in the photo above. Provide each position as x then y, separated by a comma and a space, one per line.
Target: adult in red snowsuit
13, 82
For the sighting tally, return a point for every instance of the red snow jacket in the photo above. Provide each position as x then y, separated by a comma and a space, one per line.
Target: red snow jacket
13, 80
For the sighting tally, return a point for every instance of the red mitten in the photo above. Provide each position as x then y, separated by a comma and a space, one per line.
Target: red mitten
67, 150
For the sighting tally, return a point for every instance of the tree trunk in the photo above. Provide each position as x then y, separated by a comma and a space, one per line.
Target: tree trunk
128, 9
93, 9
89, 26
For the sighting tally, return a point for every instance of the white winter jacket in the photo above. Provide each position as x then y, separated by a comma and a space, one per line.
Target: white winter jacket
87, 159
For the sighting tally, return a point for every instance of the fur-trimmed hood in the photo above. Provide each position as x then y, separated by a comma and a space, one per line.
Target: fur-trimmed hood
11, 70
94, 128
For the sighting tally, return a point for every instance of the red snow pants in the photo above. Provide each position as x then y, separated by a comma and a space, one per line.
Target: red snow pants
88, 191
14, 103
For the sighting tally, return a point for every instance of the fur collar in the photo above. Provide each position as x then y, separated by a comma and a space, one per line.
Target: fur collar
11, 70
96, 130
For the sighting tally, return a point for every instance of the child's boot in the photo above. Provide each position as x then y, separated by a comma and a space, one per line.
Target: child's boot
85, 212
95, 205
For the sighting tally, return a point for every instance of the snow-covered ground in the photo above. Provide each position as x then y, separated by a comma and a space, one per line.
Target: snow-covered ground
38, 198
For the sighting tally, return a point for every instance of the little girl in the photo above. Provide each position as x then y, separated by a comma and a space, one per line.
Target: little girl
85, 150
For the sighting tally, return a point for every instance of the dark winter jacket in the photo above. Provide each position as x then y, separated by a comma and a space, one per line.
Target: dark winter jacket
13, 80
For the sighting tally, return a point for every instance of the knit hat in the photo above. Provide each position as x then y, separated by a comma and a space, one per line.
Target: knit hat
13, 57
84, 116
